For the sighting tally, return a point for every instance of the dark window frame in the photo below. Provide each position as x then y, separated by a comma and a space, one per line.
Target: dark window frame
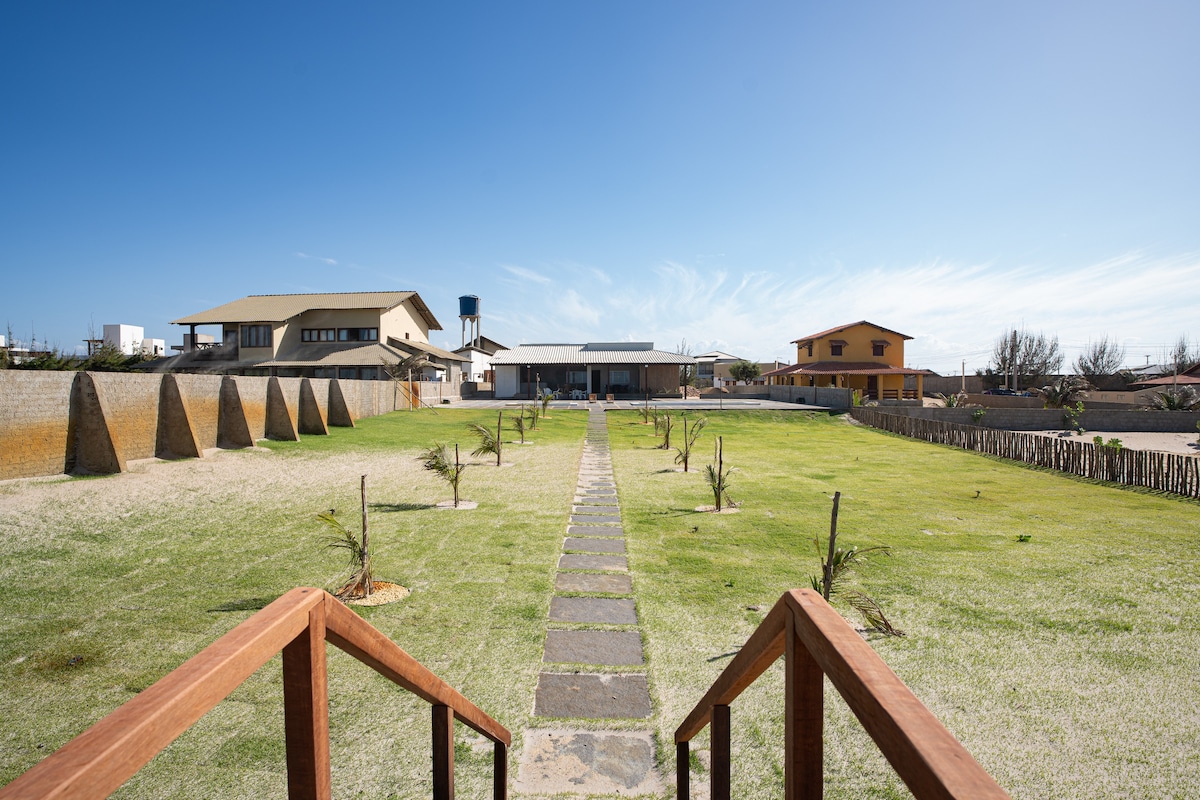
358, 334
254, 335
835, 349
318, 335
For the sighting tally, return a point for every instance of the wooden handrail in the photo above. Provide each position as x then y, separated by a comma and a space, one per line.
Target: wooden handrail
96, 762
819, 643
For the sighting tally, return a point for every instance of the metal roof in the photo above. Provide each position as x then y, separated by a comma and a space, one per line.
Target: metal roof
282, 307
593, 353
354, 354
424, 347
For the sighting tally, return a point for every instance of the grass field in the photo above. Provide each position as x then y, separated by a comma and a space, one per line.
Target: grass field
1064, 663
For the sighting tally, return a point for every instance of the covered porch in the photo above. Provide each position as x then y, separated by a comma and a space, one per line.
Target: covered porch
874, 381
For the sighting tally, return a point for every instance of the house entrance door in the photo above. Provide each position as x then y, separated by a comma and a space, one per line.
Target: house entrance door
596, 382
873, 387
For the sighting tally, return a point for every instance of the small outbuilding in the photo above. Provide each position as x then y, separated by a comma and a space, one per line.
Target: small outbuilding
621, 369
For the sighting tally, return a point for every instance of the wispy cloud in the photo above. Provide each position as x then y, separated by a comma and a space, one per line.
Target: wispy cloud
330, 261
953, 311
526, 274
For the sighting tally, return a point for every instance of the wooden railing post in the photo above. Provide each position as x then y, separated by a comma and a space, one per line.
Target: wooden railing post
804, 718
443, 752
683, 774
720, 753
500, 772
306, 711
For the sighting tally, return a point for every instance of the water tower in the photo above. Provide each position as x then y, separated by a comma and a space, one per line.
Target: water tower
468, 312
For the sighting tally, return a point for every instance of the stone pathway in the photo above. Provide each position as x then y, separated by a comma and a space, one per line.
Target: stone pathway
594, 667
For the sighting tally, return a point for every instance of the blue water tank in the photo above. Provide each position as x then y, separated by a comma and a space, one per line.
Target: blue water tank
468, 306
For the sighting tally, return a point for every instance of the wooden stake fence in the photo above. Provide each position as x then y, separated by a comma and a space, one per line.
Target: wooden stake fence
1164, 472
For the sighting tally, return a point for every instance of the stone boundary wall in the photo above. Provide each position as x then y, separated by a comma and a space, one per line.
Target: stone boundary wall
97, 422
951, 384
826, 396
1051, 419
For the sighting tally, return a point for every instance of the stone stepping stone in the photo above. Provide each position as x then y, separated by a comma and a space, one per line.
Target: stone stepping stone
614, 648
599, 519
592, 696
590, 582
594, 545
593, 609
601, 492
583, 561
594, 530
591, 763
609, 510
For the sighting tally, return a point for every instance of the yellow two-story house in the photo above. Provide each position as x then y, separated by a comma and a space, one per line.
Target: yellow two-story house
862, 356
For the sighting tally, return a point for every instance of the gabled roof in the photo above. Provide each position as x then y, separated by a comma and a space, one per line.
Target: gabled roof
424, 347
282, 307
840, 328
591, 353
482, 345
717, 355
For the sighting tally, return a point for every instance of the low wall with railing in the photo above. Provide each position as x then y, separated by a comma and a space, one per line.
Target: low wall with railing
1166, 472
96, 422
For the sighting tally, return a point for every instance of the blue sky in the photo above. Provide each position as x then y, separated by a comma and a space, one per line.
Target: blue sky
736, 175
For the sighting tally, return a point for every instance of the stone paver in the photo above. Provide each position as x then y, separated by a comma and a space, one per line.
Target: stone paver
592, 696
595, 530
617, 648
591, 582
598, 519
603, 510
581, 561
593, 544
593, 609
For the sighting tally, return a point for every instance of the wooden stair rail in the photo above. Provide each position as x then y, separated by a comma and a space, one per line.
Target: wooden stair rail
96, 762
817, 642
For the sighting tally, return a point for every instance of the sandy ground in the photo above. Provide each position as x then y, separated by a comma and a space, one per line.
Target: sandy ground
1163, 442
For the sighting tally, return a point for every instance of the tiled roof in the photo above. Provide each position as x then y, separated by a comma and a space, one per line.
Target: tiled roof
594, 353
841, 328
281, 307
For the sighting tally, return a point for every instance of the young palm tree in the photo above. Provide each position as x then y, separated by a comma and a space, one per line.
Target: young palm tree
360, 583
717, 476
836, 569
521, 424
662, 426
547, 396
488, 442
437, 460
1064, 391
689, 440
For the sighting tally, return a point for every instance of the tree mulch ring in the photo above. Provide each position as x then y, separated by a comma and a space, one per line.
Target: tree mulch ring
385, 592
724, 510
463, 505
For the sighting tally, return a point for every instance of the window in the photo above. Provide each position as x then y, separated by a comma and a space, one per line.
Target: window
876, 349
577, 377
348, 373
835, 349
256, 336
318, 335
358, 334
618, 377
810, 345
324, 372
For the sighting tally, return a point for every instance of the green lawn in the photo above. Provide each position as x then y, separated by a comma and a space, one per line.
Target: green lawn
1063, 663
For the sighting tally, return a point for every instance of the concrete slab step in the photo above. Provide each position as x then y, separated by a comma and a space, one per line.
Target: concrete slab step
593, 544
600, 610
565, 762
583, 561
591, 582
611, 648
591, 696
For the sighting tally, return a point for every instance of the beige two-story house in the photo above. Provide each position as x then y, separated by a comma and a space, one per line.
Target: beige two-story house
349, 335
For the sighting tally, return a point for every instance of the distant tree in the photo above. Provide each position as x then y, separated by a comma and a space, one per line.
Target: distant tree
1182, 356
687, 372
744, 370
1028, 357
1100, 359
